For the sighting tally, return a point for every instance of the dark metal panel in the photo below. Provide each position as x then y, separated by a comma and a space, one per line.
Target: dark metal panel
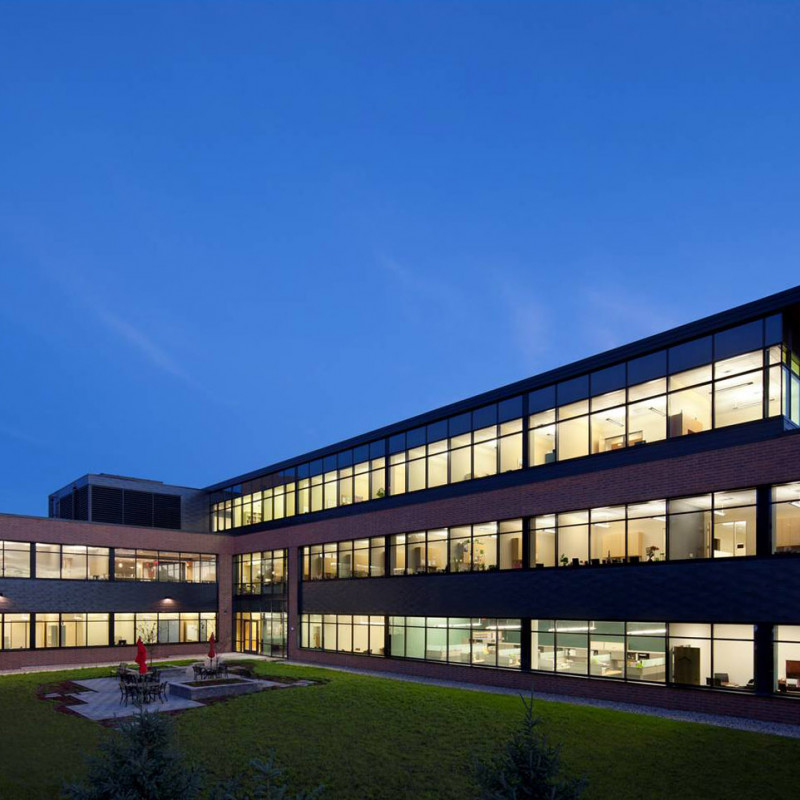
20, 595
265, 602
727, 590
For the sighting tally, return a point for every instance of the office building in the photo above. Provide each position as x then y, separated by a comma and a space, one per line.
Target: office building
624, 527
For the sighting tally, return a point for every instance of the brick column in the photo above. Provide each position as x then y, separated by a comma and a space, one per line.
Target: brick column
225, 602
293, 604
763, 520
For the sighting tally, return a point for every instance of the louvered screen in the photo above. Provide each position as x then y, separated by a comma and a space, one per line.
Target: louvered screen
167, 511
81, 504
65, 507
138, 508
107, 505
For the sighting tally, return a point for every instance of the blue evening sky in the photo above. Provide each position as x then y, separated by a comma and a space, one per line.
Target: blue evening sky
234, 232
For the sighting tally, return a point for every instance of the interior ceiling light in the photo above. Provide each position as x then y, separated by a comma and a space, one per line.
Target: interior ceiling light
737, 386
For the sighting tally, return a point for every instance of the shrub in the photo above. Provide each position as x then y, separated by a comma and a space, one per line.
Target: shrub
140, 762
528, 767
266, 781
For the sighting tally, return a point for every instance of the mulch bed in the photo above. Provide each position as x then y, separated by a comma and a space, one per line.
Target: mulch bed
63, 691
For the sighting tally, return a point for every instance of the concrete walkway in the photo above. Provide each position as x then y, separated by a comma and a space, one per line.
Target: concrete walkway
718, 720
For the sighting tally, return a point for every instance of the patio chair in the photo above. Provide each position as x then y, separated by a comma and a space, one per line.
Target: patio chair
130, 691
119, 670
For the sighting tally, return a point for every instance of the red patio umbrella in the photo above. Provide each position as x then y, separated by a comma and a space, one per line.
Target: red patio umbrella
212, 650
141, 656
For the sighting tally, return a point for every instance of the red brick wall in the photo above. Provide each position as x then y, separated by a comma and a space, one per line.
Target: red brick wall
63, 531
773, 461
58, 531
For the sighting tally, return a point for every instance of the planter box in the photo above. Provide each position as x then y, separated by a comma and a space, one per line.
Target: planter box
200, 693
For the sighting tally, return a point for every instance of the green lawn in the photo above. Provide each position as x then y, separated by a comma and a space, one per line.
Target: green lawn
367, 737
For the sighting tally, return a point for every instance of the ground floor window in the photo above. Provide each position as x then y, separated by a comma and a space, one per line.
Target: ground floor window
16, 631
345, 633
71, 630
474, 641
261, 632
68, 629
165, 628
689, 654
459, 640
787, 659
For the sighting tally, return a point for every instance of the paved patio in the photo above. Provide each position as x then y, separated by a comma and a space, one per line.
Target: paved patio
102, 701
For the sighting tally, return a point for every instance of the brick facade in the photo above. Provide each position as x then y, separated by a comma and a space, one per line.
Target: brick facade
760, 590
29, 595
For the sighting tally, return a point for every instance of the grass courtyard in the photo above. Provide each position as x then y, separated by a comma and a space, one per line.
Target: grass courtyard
366, 737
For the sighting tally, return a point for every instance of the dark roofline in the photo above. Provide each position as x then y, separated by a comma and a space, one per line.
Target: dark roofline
86, 480
691, 330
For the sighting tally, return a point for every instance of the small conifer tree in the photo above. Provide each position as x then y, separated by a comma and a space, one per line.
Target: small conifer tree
265, 781
139, 762
528, 768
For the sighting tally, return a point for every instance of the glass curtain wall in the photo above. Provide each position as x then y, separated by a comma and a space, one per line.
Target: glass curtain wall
575, 419
718, 525
164, 566
481, 547
480, 443
261, 572
736, 376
